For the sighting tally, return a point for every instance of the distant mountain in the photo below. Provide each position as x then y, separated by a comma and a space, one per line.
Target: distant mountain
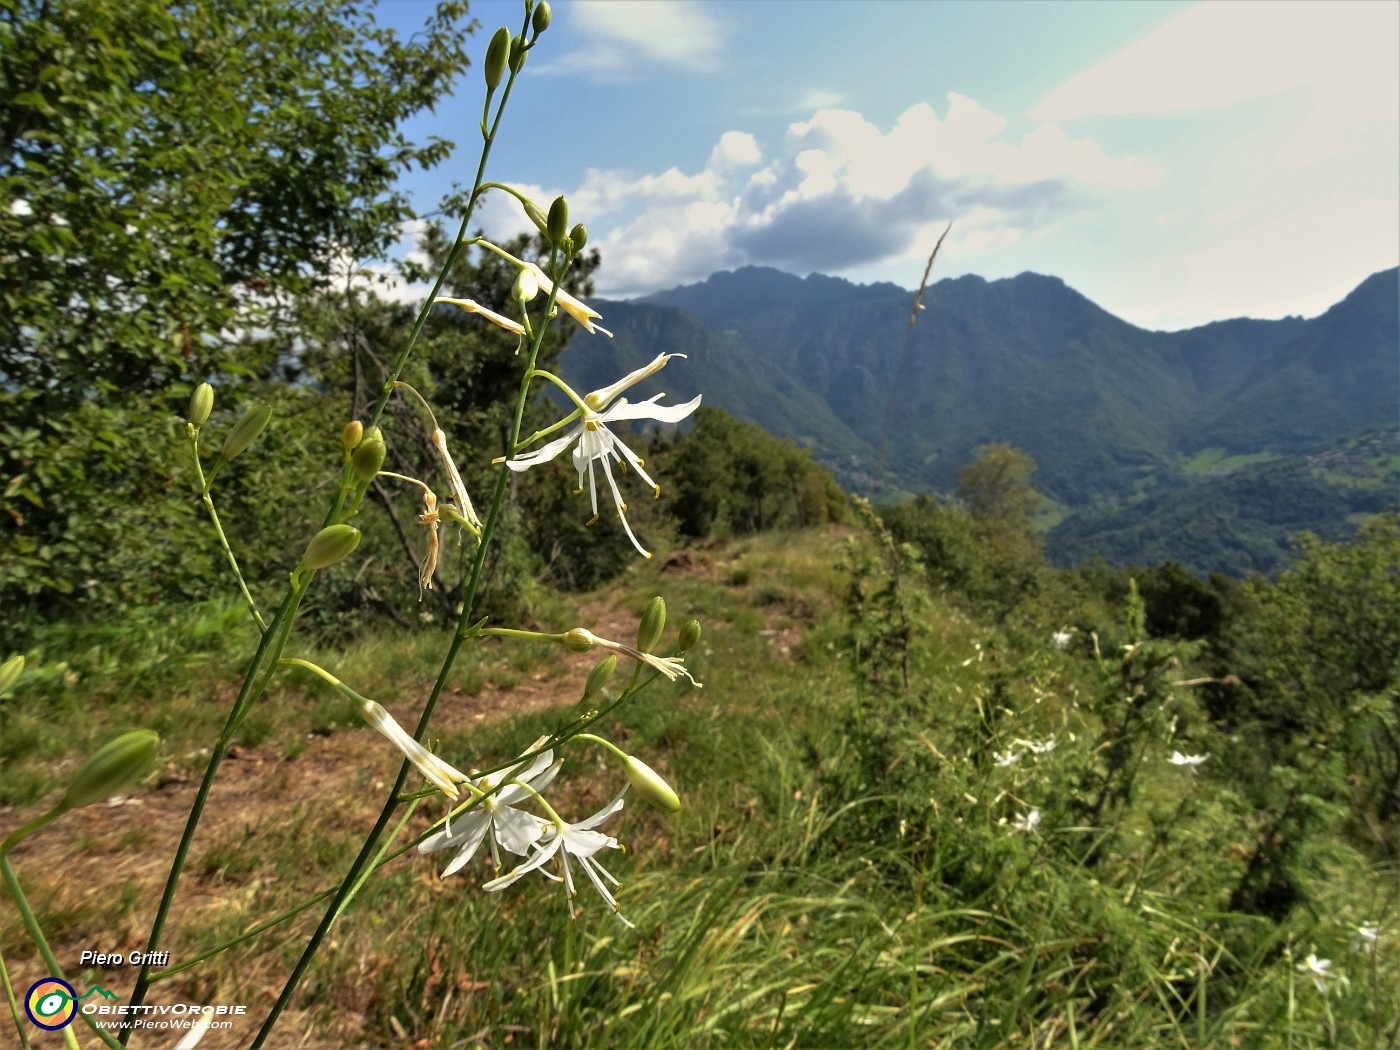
1111, 413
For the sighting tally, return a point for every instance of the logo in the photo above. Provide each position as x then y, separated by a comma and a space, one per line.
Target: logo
52, 1004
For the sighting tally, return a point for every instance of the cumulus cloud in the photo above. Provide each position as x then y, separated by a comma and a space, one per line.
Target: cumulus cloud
623, 36
840, 193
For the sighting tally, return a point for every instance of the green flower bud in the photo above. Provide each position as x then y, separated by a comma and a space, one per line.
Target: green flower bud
526, 286
579, 235
496, 53
650, 785
517, 54
329, 546
532, 211
578, 640
201, 404
690, 635
599, 676
653, 623
10, 671
351, 435
245, 431
540, 20
369, 455
117, 763
558, 220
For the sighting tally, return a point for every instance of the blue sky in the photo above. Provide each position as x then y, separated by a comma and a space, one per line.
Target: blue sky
1176, 162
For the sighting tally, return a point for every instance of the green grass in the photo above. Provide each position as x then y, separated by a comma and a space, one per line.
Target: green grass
1215, 461
843, 871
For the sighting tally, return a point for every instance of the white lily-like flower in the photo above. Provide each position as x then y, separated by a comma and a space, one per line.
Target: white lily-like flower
1061, 639
672, 667
1037, 747
595, 443
1189, 761
473, 307
579, 841
495, 819
1007, 758
1319, 970
440, 774
579, 311
1029, 822
1366, 938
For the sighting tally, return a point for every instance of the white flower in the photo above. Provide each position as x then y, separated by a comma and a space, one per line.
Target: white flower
473, 307
1320, 970
1029, 822
1061, 639
440, 774
1006, 758
580, 312
1039, 748
579, 841
1365, 939
1190, 761
495, 819
597, 444
672, 667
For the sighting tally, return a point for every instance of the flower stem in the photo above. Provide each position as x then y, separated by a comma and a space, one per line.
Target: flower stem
32, 925
204, 492
14, 1004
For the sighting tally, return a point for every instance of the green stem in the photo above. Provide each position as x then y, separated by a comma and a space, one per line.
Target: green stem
274, 639
204, 492
568, 390
32, 925
14, 1004
575, 414
34, 825
350, 882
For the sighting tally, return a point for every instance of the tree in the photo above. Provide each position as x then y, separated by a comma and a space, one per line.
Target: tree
173, 174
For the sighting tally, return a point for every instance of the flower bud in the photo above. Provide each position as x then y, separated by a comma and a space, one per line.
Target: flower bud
650, 785
526, 286
10, 671
599, 676
369, 455
517, 54
579, 235
245, 431
116, 763
558, 220
653, 623
351, 435
579, 640
690, 635
328, 546
533, 213
539, 22
496, 53
201, 404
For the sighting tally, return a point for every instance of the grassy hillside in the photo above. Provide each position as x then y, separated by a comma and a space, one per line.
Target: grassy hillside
855, 863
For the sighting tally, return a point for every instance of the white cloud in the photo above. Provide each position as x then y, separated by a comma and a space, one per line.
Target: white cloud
838, 194
624, 35
1340, 59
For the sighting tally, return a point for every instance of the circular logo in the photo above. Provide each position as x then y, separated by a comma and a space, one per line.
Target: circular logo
50, 1003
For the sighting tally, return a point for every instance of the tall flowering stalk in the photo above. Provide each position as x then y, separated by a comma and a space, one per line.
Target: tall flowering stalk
502, 806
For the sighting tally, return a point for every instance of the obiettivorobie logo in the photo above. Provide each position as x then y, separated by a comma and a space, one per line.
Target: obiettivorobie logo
52, 1004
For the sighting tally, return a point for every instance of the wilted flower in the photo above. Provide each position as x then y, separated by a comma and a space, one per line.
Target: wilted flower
598, 444
494, 819
440, 774
672, 667
1319, 970
579, 841
473, 307
579, 311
